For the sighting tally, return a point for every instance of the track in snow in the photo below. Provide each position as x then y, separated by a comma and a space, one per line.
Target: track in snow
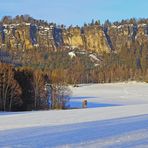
131, 131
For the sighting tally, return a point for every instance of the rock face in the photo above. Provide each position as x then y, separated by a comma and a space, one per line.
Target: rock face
89, 38
128, 34
94, 37
27, 36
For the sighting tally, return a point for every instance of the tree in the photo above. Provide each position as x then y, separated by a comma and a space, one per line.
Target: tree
40, 99
76, 72
10, 90
6, 19
60, 96
24, 78
58, 91
107, 23
92, 22
97, 22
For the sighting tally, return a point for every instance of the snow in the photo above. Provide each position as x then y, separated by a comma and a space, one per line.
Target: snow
94, 57
71, 54
47, 28
119, 93
122, 123
123, 132
142, 25
113, 26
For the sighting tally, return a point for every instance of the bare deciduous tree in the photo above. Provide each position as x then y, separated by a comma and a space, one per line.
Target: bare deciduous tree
60, 96
39, 89
10, 90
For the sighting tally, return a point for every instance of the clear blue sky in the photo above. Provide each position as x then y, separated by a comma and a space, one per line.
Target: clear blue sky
75, 11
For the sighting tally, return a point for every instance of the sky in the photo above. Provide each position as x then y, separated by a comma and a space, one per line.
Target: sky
75, 12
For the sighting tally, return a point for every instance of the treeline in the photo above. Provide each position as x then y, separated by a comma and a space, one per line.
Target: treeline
128, 65
21, 19
28, 18
25, 88
102, 74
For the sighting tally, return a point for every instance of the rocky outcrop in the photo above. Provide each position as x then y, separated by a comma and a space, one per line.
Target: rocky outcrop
89, 38
128, 34
94, 37
27, 36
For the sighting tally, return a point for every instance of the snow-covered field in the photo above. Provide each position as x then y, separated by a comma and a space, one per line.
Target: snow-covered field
119, 119
113, 94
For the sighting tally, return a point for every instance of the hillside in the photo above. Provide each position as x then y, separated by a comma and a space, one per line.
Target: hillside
106, 52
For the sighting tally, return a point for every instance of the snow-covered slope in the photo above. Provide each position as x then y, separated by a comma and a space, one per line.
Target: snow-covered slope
52, 118
123, 132
125, 125
119, 93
